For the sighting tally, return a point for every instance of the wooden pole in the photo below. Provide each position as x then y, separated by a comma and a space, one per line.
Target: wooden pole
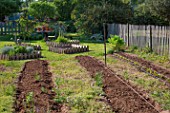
104, 26
151, 49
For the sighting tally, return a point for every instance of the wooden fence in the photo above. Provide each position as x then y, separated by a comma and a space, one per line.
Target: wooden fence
157, 38
23, 56
9, 28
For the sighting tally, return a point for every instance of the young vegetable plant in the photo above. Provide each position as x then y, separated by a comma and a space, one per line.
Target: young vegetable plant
117, 43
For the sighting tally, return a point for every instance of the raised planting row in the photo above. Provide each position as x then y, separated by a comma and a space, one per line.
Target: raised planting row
36, 47
69, 50
34, 92
21, 56
147, 66
66, 48
122, 97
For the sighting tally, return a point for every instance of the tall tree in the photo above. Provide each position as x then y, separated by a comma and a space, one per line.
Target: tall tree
64, 8
160, 8
90, 15
8, 7
42, 10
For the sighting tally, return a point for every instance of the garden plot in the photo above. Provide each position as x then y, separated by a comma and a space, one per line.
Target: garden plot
67, 48
20, 52
122, 97
34, 89
147, 66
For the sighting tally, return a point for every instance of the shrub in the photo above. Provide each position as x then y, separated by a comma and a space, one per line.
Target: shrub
6, 50
117, 43
20, 49
29, 49
61, 39
16, 50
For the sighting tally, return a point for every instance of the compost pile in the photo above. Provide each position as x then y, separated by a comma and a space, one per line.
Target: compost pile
34, 89
121, 97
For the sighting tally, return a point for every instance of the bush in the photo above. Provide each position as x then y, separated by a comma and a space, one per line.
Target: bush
61, 39
117, 43
29, 49
20, 49
6, 50
15, 50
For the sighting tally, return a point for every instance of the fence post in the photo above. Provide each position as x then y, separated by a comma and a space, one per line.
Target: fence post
150, 41
128, 36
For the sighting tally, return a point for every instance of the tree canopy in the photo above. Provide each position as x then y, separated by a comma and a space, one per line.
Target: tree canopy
8, 7
42, 10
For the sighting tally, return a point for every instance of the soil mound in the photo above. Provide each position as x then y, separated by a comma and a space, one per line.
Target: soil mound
122, 98
34, 89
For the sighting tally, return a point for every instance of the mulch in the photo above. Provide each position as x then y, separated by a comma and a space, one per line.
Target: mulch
122, 98
36, 79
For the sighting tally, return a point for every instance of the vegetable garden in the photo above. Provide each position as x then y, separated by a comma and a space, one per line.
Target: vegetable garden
56, 57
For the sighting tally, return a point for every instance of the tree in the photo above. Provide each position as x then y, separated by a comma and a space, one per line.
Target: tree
42, 10
64, 8
89, 16
160, 8
8, 7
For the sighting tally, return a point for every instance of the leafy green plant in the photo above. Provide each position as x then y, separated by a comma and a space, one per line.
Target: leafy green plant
16, 50
37, 77
61, 39
20, 49
133, 48
98, 79
117, 43
29, 97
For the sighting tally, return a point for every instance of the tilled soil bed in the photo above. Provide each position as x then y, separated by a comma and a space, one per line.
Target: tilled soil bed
34, 89
122, 97
146, 63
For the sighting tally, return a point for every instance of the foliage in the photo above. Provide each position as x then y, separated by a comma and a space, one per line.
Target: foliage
29, 97
29, 49
142, 14
6, 50
86, 12
8, 7
42, 10
160, 8
61, 39
97, 37
117, 43
64, 9
16, 50
98, 79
